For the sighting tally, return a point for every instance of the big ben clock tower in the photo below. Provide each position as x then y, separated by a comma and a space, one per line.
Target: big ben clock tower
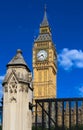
44, 63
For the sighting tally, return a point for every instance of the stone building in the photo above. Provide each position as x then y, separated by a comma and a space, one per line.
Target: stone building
44, 63
17, 95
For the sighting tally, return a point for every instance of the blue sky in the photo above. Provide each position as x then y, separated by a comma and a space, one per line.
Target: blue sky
19, 24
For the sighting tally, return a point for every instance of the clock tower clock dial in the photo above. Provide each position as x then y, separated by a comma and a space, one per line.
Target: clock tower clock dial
41, 55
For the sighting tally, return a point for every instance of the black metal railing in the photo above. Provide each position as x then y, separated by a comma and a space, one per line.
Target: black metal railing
59, 114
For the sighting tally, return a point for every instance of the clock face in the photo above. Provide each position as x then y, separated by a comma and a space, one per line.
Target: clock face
42, 55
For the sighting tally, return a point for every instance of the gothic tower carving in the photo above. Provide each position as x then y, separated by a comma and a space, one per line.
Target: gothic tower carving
44, 63
17, 95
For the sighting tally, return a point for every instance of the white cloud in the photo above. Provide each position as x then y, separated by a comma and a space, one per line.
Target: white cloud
1, 78
0, 89
81, 91
69, 59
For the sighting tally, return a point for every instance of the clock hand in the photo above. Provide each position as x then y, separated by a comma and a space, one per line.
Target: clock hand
39, 56
42, 55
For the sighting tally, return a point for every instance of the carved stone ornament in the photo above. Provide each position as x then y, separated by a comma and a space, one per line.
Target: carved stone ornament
13, 99
6, 89
23, 89
13, 86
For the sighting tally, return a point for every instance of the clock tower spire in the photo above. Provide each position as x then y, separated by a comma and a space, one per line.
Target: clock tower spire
44, 63
45, 20
45, 30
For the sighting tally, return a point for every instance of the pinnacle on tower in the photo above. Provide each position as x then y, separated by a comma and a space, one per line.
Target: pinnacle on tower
45, 30
18, 59
45, 20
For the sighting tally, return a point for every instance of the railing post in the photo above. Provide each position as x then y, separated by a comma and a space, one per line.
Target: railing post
76, 115
36, 116
49, 121
69, 115
56, 114
62, 115
42, 115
